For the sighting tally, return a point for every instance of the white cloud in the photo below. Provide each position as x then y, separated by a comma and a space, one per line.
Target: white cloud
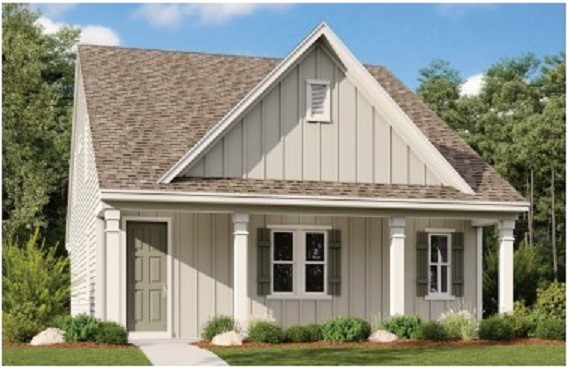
472, 86
90, 34
171, 15
55, 10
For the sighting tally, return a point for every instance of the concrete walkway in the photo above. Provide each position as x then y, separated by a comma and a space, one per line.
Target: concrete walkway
177, 353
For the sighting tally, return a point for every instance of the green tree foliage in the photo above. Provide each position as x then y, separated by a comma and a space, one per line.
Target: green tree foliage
37, 93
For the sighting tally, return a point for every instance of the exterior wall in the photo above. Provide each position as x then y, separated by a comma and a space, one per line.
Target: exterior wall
84, 200
202, 270
274, 141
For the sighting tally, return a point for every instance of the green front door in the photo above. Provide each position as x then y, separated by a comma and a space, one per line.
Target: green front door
146, 276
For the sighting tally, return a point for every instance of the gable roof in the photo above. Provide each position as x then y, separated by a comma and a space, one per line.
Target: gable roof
147, 108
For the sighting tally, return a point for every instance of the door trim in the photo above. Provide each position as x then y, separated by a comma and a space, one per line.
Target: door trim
140, 335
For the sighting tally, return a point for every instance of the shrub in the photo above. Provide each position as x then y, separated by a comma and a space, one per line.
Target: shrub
551, 300
265, 331
534, 320
551, 329
405, 327
460, 324
496, 327
315, 332
111, 333
435, 331
35, 287
346, 329
297, 334
520, 319
217, 325
80, 328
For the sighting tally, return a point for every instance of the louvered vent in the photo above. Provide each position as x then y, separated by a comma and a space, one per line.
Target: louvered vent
318, 101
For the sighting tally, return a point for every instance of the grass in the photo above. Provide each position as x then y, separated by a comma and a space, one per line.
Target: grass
48, 356
482, 355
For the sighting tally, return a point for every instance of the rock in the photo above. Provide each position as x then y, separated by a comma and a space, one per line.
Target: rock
227, 339
382, 336
49, 336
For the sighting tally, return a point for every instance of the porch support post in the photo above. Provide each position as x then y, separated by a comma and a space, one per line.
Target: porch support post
397, 268
100, 271
113, 265
240, 266
506, 266
479, 245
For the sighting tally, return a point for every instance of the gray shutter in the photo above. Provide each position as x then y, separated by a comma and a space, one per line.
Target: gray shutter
458, 265
334, 263
264, 261
422, 263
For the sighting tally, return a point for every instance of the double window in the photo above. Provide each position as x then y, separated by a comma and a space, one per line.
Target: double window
299, 262
439, 263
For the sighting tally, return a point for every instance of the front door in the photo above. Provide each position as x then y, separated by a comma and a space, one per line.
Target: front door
146, 276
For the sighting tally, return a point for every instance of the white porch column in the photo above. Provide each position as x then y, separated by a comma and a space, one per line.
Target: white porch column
506, 266
479, 245
240, 266
100, 271
113, 266
397, 268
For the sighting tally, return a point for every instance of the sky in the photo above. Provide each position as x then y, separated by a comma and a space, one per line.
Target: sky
402, 37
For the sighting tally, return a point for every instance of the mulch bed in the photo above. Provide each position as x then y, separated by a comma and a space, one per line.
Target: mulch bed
396, 344
6, 343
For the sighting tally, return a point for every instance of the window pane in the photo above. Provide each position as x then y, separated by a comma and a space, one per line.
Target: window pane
283, 246
314, 278
442, 244
283, 278
433, 279
434, 252
444, 279
315, 243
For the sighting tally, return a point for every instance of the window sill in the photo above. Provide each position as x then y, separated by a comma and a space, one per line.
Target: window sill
439, 297
315, 297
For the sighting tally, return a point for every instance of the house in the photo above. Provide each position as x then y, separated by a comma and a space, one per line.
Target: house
301, 188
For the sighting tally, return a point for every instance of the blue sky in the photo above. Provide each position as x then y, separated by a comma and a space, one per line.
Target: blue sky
403, 37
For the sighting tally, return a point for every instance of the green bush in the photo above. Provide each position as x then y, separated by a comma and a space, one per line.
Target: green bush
534, 320
551, 300
496, 327
433, 330
315, 332
520, 319
217, 325
346, 329
405, 326
111, 333
460, 324
80, 328
265, 331
35, 287
551, 329
297, 334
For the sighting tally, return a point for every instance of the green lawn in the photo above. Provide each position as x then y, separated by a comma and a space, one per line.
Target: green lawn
482, 355
72, 356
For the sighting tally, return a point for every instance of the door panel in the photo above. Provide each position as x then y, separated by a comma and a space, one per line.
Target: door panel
146, 276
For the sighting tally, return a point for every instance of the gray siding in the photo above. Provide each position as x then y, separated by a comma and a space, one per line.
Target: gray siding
274, 141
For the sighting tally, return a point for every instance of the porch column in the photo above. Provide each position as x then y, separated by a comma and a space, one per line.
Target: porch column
397, 269
240, 266
479, 246
113, 266
506, 266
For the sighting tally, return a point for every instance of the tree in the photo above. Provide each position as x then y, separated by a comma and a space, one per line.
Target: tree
37, 99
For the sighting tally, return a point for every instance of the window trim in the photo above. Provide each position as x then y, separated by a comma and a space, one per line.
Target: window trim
299, 262
448, 295
326, 116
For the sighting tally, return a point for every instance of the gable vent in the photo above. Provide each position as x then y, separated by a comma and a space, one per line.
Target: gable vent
318, 101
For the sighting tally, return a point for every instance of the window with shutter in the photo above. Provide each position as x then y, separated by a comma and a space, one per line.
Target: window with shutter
318, 102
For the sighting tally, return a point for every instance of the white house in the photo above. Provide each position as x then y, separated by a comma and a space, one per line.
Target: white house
302, 188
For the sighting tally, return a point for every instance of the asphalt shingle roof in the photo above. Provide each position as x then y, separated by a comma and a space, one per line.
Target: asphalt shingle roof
147, 108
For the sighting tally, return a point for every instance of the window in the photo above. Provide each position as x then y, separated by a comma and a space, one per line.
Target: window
299, 262
318, 102
439, 263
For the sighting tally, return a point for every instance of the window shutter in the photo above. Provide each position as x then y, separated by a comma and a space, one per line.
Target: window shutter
264, 261
334, 263
457, 264
422, 263
318, 101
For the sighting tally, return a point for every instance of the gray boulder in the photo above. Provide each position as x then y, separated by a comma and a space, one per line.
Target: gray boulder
228, 339
382, 336
49, 336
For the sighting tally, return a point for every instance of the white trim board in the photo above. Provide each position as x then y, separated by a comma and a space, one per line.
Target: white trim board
367, 85
168, 334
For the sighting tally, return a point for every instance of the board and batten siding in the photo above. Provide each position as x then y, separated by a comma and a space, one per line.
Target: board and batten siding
84, 226
203, 268
274, 140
